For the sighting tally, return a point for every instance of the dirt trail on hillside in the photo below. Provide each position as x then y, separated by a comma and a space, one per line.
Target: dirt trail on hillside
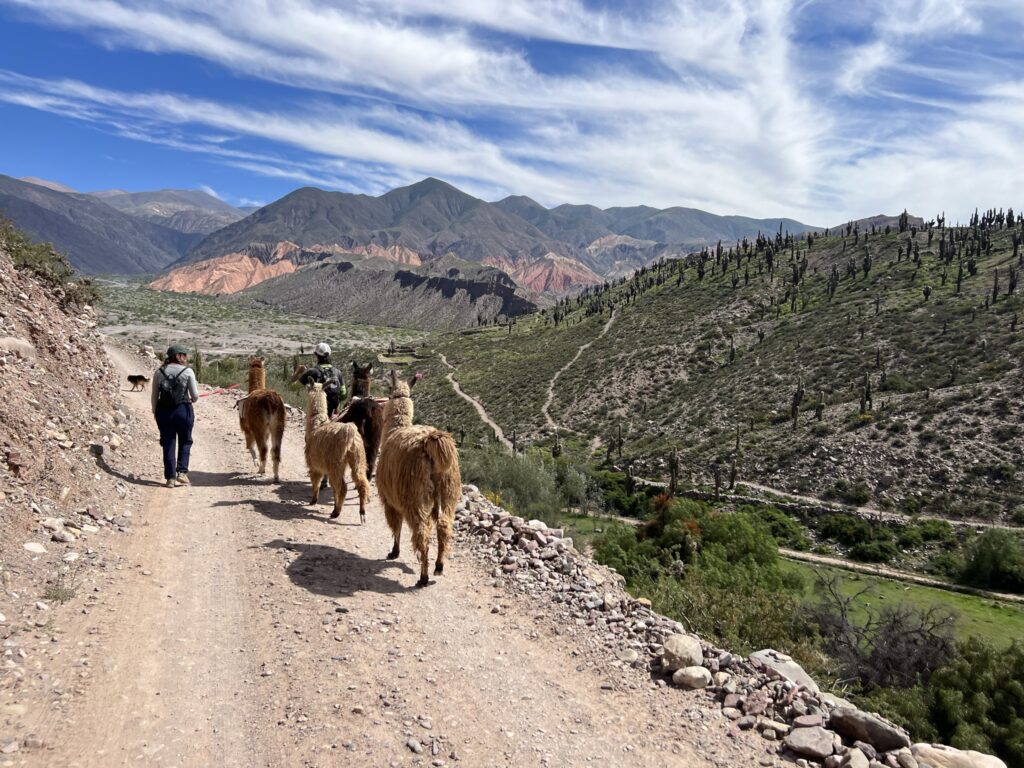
481, 411
554, 379
249, 630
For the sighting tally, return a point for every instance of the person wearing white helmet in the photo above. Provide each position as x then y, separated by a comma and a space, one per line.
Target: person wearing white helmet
325, 373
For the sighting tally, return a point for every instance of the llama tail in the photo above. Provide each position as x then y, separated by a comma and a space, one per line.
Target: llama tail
444, 459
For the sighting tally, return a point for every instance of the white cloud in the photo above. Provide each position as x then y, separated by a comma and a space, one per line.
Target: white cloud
210, 191
729, 106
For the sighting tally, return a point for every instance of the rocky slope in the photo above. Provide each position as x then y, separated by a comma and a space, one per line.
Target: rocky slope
443, 295
63, 495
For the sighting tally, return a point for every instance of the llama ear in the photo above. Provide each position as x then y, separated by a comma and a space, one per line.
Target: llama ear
355, 366
414, 379
394, 377
369, 368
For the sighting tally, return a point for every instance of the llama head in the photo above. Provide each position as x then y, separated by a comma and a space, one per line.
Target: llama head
361, 379
256, 362
316, 405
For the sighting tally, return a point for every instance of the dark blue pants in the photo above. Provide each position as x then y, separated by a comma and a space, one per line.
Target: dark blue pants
176, 438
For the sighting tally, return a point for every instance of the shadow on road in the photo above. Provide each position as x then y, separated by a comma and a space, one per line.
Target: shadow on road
202, 479
336, 572
133, 479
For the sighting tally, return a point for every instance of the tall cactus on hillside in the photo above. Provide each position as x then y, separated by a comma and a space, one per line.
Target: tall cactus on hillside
794, 406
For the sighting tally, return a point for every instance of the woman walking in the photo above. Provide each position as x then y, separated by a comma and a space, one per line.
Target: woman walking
174, 390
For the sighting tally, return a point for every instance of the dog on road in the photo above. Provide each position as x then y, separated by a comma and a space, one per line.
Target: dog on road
138, 381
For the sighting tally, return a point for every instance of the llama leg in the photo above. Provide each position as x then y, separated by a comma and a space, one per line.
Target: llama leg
363, 488
315, 476
261, 441
421, 541
444, 537
250, 444
394, 518
275, 451
340, 489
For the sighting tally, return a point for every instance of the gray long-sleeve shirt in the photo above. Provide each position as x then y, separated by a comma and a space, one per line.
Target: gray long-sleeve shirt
172, 369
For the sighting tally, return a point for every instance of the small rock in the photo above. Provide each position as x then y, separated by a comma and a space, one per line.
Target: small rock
10, 747
806, 721
34, 548
415, 746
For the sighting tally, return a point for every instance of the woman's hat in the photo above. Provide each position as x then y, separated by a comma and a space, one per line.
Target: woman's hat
323, 349
176, 349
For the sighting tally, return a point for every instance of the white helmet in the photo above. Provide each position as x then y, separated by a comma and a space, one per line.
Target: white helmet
323, 349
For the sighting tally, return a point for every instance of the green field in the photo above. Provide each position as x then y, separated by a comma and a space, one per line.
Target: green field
997, 622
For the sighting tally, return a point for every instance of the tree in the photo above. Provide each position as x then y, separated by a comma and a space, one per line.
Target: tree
995, 560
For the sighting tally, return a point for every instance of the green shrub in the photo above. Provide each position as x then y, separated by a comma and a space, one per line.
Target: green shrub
995, 560
526, 482
852, 493
975, 702
786, 531
874, 551
46, 264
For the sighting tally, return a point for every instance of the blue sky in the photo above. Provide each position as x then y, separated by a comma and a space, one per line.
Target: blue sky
821, 111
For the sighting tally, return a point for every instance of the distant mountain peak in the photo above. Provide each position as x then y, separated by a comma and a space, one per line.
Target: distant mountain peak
56, 186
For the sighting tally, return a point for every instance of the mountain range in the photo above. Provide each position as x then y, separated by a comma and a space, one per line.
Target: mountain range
202, 244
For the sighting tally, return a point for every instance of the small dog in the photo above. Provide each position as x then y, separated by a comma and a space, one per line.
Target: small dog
138, 381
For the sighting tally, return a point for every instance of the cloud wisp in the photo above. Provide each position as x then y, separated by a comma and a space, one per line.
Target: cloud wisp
761, 107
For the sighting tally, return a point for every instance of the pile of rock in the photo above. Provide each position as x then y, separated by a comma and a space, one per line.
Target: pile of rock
767, 691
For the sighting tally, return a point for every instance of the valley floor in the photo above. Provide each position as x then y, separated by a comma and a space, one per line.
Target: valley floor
243, 628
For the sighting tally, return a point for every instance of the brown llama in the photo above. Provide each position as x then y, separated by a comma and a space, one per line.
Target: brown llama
418, 479
366, 413
261, 415
330, 447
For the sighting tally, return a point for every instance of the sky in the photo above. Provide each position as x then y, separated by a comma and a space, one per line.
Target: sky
822, 111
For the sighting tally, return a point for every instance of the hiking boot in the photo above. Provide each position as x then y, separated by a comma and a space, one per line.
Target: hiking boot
171, 482
183, 479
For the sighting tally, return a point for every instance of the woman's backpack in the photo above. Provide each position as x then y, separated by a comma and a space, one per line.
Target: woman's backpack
172, 390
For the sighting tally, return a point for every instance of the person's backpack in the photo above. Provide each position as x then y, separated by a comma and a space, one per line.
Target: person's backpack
172, 391
332, 381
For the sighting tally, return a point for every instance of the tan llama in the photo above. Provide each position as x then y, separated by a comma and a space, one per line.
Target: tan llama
418, 479
261, 416
330, 447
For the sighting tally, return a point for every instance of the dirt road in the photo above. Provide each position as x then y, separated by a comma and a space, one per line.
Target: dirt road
243, 628
481, 412
545, 409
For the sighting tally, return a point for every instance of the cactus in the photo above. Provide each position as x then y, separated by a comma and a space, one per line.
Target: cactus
798, 396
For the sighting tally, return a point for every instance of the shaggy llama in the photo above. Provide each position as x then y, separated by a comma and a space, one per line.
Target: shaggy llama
366, 413
330, 447
418, 479
261, 415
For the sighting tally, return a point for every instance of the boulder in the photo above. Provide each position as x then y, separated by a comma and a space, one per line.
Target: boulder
941, 756
855, 725
813, 742
855, 759
691, 677
786, 667
681, 651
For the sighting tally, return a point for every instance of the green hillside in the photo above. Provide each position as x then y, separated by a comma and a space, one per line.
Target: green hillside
921, 323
